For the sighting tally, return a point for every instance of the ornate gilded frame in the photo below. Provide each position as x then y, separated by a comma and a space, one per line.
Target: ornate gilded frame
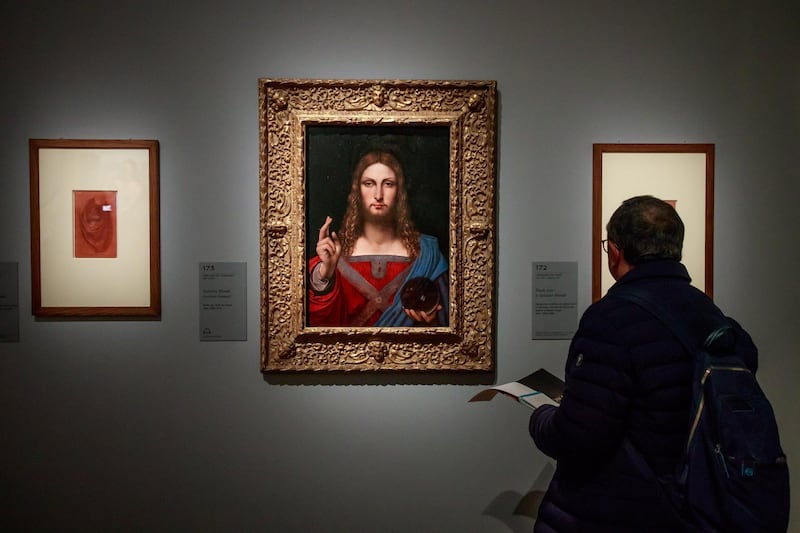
468, 109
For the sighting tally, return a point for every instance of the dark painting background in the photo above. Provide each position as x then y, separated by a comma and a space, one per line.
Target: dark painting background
332, 152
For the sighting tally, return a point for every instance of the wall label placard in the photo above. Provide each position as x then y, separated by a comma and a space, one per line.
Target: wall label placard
223, 302
9, 302
555, 299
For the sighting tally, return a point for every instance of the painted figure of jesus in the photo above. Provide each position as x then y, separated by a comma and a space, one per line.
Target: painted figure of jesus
362, 275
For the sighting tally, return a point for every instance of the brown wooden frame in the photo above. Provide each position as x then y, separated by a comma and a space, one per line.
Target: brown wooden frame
468, 111
126, 287
600, 218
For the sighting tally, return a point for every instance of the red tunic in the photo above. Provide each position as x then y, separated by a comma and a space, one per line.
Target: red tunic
344, 302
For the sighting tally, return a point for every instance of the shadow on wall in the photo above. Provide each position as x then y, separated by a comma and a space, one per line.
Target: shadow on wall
516, 510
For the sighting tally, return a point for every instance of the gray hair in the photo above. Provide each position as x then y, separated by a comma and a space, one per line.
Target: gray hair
646, 228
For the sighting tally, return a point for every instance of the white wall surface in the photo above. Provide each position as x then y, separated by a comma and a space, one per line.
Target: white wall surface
139, 426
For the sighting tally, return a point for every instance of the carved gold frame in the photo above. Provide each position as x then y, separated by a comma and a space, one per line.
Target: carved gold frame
286, 108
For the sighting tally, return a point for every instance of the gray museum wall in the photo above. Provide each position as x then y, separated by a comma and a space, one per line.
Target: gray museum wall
113, 425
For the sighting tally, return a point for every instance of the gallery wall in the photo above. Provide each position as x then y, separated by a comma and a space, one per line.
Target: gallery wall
137, 425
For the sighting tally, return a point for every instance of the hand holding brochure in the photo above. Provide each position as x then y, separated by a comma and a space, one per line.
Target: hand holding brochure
534, 390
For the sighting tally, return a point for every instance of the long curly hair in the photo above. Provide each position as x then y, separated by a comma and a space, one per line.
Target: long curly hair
353, 222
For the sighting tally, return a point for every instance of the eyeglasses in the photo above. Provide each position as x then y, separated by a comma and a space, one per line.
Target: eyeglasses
604, 244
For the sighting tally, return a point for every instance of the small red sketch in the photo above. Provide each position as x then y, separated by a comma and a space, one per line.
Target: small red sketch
95, 223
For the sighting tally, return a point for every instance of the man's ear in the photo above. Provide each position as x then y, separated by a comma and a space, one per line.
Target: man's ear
617, 264
613, 259
613, 251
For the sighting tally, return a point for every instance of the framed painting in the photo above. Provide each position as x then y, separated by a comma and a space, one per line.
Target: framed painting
95, 249
377, 219
681, 174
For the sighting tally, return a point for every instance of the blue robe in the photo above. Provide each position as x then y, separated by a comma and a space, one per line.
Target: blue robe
430, 264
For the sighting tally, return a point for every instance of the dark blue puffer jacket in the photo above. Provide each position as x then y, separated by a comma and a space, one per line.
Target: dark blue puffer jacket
626, 376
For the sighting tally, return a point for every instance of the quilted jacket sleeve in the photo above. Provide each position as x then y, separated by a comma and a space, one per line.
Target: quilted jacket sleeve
590, 423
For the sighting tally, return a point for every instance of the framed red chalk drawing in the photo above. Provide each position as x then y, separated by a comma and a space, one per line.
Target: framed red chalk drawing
95, 228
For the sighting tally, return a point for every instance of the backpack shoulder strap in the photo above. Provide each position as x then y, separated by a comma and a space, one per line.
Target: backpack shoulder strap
646, 301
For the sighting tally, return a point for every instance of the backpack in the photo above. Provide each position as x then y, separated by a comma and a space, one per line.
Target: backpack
733, 475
